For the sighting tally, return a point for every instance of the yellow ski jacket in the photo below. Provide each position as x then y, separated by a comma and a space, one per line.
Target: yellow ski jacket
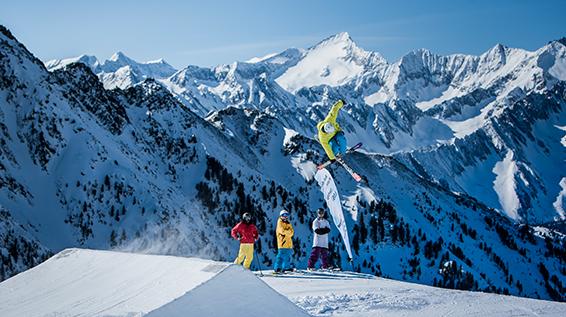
284, 233
324, 138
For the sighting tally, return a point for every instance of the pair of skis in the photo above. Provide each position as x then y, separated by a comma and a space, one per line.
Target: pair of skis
336, 274
340, 160
303, 272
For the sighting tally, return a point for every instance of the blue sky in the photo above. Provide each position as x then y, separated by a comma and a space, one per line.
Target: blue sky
208, 33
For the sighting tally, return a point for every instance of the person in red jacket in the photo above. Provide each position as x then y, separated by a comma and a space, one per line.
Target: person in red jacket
245, 232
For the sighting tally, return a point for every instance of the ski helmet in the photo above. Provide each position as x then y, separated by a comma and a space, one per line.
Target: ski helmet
328, 127
320, 212
247, 217
283, 213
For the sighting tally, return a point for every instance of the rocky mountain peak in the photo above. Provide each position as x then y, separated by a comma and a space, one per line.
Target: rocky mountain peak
561, 41
342, 38
119, 56
7, 32
497, 54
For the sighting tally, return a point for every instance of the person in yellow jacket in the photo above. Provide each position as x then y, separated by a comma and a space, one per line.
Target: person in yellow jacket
284, 234
330, 135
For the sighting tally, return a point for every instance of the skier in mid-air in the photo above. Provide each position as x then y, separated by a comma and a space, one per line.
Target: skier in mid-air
321, 228
245, 232
333, 141
284, 234
330, 135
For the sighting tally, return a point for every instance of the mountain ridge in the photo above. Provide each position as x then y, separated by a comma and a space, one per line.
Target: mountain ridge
119, 70
421, 101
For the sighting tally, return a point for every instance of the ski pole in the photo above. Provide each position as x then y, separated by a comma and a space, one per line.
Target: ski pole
258, 262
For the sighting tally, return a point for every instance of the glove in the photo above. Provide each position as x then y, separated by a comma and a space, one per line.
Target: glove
343, 101
322, 230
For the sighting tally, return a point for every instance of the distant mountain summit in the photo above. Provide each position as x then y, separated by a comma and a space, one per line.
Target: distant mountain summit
119, 71
89, 60
335, 61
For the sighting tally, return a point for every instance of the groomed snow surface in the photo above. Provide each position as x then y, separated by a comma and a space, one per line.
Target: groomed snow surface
78, 282
353, 296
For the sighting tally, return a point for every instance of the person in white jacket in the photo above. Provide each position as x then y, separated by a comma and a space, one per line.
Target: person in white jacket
321, 228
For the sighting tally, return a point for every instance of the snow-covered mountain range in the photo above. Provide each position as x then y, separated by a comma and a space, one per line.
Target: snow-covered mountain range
119, 71
495, 121
167, 164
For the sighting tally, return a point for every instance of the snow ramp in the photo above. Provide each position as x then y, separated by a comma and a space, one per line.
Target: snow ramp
79, 282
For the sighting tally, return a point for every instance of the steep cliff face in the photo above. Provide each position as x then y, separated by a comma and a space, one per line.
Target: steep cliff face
512, 161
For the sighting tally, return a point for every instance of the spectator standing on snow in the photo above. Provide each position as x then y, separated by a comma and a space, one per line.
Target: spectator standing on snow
245, 232
284, 234
321, 228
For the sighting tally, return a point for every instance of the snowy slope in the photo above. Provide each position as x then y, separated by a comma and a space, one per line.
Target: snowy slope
346, 294
335, 61
78, 282
523, 142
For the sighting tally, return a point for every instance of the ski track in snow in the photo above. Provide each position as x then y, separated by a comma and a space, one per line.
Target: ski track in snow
357, 303
343, 295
